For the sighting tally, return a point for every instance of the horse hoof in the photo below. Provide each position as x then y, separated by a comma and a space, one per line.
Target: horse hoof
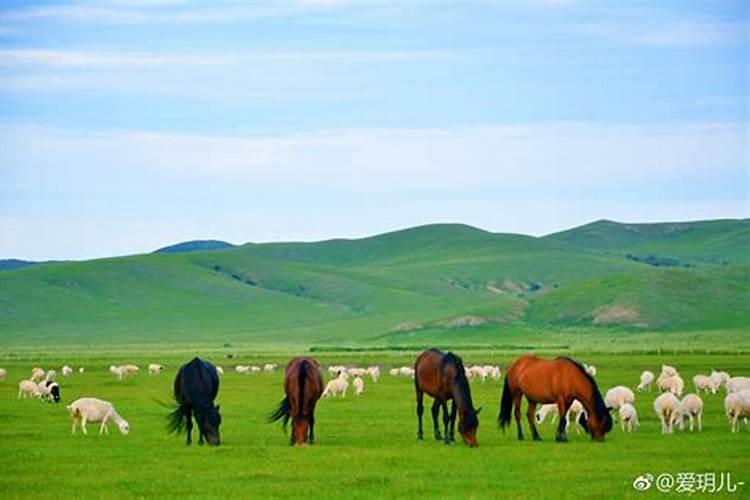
561, 439
537, 438
438, 436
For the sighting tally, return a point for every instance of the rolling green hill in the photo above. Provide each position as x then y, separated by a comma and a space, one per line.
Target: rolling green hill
445, 280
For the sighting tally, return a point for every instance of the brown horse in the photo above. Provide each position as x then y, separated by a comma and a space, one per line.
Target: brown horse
442, 376
558, 381
303, 385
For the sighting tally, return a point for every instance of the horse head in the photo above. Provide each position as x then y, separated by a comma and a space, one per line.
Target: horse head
209, 422
468, 425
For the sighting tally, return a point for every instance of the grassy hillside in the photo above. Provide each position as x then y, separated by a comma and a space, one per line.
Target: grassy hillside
439, 281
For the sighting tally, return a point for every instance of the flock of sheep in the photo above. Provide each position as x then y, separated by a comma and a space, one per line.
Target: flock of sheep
669, 408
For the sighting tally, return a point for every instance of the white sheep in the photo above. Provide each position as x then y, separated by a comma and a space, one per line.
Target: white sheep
270, 367
647, 378
242, 369
95, 410
123, 371
590, 369
628, 417
478, 372
81, 369
737, 404
3, 374
357, 372
219, 370
691, 407
37, 374
545, 410
336, 386
255, 369
374, 372
737, 384
50, 375
155, 369
618, 396
66, 371
359, 386
406, 371
574, 412
495, 373
719, 378
668, 371
705, 383
28, 388
673, 384
393, 372
667, 408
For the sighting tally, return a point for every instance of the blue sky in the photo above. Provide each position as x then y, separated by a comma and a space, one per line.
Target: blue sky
128, 125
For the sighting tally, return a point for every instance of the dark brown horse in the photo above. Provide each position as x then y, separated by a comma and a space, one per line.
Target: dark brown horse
303, 385
442, 376
558, 381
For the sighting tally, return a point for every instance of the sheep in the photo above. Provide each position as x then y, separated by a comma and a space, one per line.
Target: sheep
574, 413
28, 388
219, 370
130, 369
495, 373
618, 396
95, 410
336, 369
37, 374
590, 369
737, 404
719, 378
66, 371
673, 384
477, 372
49, 391
668, 371
691, 407
3, 374
242, 369
117, 370
406, 371
123, 371
80, 369
50, 375
359, 386
393, 372
336, 386
255, 369
705, 383
374, 372
270, 367
737, 384
547, 409
154, 369
628, 417
357, 372
667, 408
647, 378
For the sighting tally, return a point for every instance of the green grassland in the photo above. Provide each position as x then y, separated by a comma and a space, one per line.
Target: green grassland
366, 446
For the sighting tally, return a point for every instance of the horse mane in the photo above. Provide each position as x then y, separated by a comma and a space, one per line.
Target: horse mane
463, 388
599, 405
201, 369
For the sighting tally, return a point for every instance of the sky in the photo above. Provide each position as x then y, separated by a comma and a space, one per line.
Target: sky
127, 125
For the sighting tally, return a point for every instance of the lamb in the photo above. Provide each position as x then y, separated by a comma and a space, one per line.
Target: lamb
123, 370
49, 391
547, 409
66, 371
719, 378
269, 367
668, 371
590, 369
673, 384
477, 372
28, 388
628, 417
618, 396
667, 408
574, 413
154, 369
374, 372
406, 371
3, 374
691, 407
255, 369
219, 370
737, 384
359, 386
96, 410
37, 374
336, 386
242, 369
705, 383
647, 378
393, 372
737, 404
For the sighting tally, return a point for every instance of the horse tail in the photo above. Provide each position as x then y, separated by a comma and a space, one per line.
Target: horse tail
302, 378
506, 405
176, 420
281, 411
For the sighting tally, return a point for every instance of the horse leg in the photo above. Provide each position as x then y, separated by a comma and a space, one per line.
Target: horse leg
435, 414
420, 412
454, 410
311, 436
446, 422
189, 426
562, 433
531, 417
517, 414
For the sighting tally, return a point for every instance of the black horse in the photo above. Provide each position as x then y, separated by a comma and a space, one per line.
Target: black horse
195, 388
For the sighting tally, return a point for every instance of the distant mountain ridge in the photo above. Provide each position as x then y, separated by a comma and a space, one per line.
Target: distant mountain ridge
195, 246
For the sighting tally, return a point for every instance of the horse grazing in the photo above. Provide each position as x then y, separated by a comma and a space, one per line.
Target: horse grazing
442, 376
303, 385
195, 388
559, 381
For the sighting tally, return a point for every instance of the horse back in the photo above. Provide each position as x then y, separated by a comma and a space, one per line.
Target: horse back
196, 380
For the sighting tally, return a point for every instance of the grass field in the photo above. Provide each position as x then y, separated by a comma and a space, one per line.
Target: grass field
366, 446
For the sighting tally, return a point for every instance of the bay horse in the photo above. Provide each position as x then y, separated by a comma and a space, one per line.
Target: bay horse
195, 388
559, 381
303, 386
442, 376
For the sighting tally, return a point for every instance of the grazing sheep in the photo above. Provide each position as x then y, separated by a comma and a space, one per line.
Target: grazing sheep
704, 382
255, 369
3, 374
242, 369
719, 378
28, 388
359, 386
628, 417
590, 369
495, 373
269, 367
618, 396
673, 384
154, 369
80, 369
357, 372
50, 375
574, 413
336, 386
123, 371
691, 407
374, 372
406, 371
393, 372
737, 384
220, 370
66, 371
37, 374
647, 378
668, 371
667, 408
49, 391
547, 409
737, 404
96, 410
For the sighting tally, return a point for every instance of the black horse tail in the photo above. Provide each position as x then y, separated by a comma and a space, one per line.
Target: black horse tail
281, 411
506, 405
176, 420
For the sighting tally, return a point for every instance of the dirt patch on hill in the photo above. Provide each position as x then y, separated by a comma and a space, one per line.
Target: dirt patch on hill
408, 326
461, 321
618, 315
